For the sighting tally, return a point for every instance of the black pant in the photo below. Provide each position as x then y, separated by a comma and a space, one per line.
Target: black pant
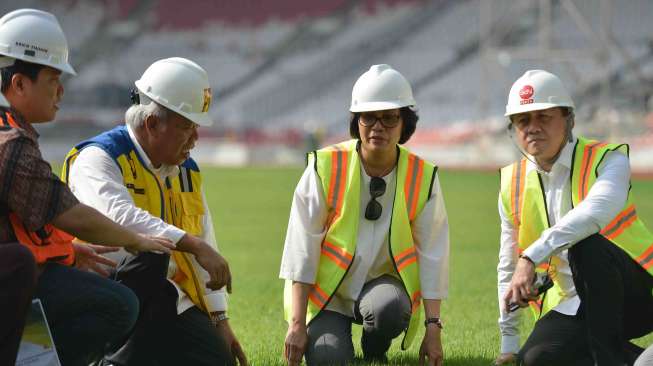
17, 283
161, 336
616, 305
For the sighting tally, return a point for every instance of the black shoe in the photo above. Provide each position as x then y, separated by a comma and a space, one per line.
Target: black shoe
631, 352
374, 349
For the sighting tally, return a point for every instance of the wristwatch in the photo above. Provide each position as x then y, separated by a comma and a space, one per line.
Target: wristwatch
218, 317
437, 321
523, 256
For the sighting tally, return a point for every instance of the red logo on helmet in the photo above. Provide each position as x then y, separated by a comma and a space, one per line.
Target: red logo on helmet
526, 92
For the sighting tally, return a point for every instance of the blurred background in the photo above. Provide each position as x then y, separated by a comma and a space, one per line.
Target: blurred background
282, 71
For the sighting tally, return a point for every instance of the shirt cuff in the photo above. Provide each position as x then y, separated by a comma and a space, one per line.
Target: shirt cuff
173, 234
216, 301
510, 344
434, 295
538, 252
302, 277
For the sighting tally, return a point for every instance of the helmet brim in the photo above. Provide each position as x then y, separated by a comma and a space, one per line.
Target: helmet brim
67, 68
378, 106
534, 107
202, 119
63, 67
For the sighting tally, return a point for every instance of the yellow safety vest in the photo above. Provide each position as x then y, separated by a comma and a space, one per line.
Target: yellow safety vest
524, 203
176, 200
338, 167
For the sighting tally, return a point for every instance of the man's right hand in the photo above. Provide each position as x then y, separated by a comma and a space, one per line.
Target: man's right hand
295, 345
209, 259
146, 243
505, 359
216, 266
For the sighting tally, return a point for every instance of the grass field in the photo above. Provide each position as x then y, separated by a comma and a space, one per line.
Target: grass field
250, 207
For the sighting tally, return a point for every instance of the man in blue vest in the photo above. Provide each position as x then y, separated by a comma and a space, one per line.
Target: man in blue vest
141, 176
566, 210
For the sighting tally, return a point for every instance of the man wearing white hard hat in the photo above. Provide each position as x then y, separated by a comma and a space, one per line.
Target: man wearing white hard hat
17, 281
141, 175
85, 311
567, 214
368, 238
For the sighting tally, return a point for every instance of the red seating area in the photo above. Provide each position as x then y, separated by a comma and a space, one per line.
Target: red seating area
189, 14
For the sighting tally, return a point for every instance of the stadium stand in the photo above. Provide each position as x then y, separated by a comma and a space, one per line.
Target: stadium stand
283, 69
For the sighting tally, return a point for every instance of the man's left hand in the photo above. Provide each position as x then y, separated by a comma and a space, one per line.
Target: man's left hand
224, 329
88, 258
430, 352
520, 291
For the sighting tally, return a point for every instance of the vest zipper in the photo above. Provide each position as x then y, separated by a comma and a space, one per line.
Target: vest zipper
546, 209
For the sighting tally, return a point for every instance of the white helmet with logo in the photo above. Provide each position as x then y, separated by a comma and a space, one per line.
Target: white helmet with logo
34, 36
180, 85
381, 88
536, 90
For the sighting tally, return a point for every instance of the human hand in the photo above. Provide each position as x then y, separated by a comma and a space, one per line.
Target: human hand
146, 243
88, 258
430, 352
216, 266
519, 292
295, 344
228, 335
505, 359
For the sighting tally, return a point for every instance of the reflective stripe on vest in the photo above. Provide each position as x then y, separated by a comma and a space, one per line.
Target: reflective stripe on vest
47, 244
524, 202
626, 229
338, 167
177, 200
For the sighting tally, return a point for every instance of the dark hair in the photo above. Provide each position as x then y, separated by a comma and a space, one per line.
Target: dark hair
29, 69
408, 116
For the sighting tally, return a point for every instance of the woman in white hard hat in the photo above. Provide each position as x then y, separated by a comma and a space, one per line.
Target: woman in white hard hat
367, 239
567, 209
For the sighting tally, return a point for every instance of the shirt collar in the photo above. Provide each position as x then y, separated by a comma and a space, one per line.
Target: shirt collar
26, 126
164, 170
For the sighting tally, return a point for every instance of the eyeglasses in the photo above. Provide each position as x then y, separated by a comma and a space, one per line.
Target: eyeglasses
374, 209
387, 120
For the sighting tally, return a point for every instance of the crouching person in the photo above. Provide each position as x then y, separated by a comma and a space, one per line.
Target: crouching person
567, 210
368, 238
85, 312
141, 176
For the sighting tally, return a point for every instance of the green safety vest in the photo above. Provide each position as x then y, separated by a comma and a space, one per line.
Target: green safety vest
524, 203
338, 167
176, 200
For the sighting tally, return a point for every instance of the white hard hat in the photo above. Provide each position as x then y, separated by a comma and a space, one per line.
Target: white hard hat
381, 88
180, 85
34, 36
536, 90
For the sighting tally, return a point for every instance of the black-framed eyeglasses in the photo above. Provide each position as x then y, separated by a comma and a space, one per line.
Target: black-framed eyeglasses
387, 120
374, 209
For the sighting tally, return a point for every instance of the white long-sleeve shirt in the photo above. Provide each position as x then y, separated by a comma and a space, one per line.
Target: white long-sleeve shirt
604, 201
96, 180
306, 230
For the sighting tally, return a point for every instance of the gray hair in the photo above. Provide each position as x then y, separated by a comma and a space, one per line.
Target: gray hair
137, 113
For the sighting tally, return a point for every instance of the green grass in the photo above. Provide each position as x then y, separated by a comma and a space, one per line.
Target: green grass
250, 207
